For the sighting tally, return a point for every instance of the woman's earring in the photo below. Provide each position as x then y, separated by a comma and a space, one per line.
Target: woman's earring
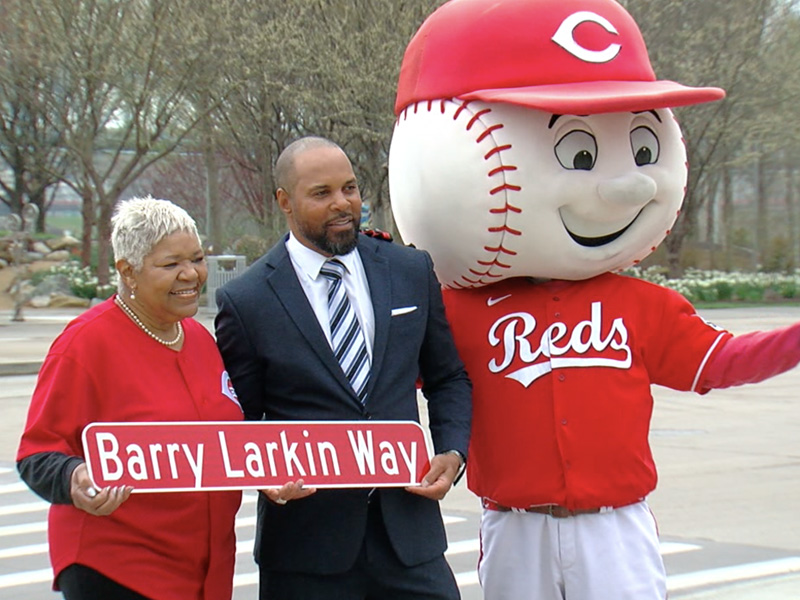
133, 294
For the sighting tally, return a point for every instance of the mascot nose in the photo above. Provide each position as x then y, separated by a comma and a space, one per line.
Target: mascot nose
634, 189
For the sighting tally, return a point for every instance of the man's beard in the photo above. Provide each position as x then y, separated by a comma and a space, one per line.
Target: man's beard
335, 245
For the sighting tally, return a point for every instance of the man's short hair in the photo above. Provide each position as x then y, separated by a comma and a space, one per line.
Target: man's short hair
285, 176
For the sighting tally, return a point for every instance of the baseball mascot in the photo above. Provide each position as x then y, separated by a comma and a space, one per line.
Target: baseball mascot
534, 156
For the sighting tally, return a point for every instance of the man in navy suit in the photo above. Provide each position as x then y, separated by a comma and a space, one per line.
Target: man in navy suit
277, 340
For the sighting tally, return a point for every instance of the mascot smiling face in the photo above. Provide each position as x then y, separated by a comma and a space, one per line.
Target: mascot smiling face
533, 139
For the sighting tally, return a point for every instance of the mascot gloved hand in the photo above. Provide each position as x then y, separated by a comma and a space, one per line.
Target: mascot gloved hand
534, 156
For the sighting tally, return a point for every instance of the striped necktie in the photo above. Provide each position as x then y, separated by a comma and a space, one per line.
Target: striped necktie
347, 339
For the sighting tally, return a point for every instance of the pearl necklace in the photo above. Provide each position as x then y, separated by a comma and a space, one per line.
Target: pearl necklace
127, 309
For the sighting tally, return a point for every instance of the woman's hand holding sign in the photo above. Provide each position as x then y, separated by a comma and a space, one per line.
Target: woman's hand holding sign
98, 503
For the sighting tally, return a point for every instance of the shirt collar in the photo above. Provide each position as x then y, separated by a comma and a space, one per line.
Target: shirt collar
311, 261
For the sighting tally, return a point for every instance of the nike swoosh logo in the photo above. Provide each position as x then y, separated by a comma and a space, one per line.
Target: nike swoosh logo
493, 301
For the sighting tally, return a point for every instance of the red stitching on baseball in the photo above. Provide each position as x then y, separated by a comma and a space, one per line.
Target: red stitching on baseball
489, 131
502, 168
508, 207
495, 262
477, 116
495, 150
460, 108
484, 274
505, 186
505, 228
500, 249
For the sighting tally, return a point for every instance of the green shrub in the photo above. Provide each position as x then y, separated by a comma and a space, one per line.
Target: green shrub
748, 291
788, 289
724, 290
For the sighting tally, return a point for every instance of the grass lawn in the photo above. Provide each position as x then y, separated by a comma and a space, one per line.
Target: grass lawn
63, 221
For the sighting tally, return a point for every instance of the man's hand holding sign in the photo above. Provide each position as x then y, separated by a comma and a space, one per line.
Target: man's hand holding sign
195, 456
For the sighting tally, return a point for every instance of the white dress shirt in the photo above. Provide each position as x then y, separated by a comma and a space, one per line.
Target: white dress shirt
307, 264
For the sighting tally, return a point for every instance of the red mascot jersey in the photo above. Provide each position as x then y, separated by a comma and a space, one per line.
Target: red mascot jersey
562, 373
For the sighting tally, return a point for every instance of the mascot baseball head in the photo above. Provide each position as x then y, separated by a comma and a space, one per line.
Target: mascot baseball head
533, 139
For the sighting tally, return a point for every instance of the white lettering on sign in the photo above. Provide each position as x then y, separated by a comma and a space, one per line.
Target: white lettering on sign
195, 464
109, 454
323, 453
559, 347
154, 450
290, 456
226, 459
135, 462
364, 453
565, 37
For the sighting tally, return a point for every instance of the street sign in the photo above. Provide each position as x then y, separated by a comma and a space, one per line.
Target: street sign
202, 456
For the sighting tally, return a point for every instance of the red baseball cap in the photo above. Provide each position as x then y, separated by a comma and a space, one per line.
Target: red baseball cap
561, 56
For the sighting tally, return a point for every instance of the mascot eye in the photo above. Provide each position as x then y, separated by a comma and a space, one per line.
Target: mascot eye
577, 151
644, 144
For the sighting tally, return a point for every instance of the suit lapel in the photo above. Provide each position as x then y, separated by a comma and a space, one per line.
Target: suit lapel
283, 281
378, 276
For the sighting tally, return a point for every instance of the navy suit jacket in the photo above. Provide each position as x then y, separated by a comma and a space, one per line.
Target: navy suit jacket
283, 368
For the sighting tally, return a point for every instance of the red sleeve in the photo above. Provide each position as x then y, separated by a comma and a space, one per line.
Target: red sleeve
58, 410
680, 343
752, 357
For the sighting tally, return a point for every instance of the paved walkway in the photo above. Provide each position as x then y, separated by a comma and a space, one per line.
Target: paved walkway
729, 462
23, 345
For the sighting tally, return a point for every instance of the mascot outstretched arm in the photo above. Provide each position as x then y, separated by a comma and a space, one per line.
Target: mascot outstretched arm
535, 156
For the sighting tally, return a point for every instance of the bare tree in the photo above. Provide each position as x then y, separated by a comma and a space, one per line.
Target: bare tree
30, 146
128, 73
327, 68
368, 39
777, 117
706, 43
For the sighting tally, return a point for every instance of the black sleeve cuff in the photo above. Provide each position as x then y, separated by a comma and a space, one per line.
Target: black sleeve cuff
49, 475
462, 469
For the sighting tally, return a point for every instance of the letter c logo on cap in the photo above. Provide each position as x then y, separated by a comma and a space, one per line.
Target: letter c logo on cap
564, 37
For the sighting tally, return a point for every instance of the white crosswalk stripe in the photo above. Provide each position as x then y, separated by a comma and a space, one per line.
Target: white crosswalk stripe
25, 578
23, 507
768, 568
25, 572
